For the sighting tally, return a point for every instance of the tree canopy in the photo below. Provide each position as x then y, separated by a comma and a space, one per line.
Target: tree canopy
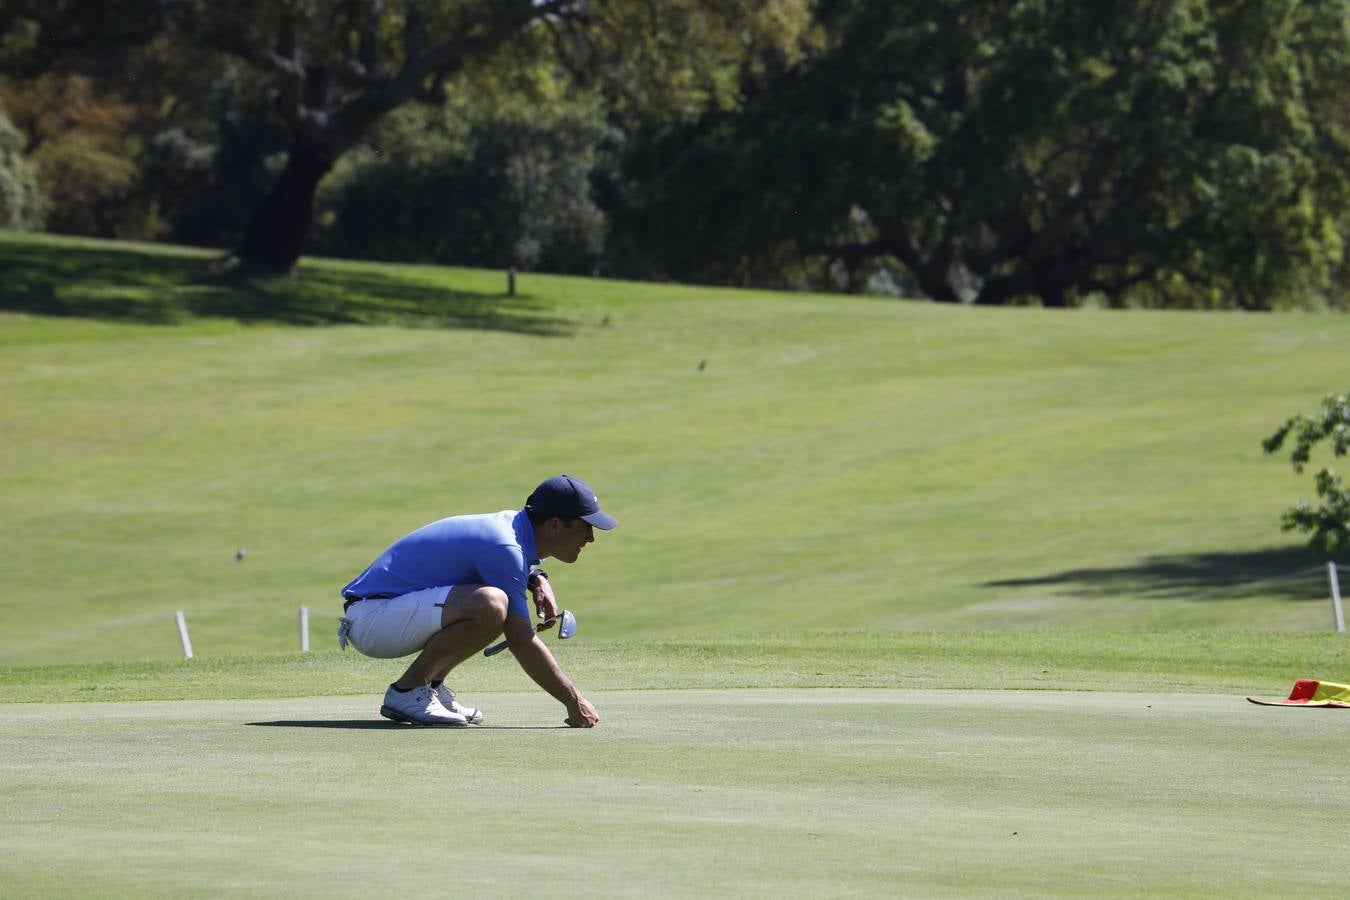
333, 69
1164, 152
1173, 150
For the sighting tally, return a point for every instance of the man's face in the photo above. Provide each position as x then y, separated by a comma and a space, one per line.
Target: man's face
571, 538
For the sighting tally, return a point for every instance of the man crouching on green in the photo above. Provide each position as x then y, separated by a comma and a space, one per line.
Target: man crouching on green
448, 589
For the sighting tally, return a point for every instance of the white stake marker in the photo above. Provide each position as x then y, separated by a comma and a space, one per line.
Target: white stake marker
304, 629
1336, 597
183, 636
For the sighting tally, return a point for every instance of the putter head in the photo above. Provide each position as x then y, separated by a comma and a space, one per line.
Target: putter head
568, 626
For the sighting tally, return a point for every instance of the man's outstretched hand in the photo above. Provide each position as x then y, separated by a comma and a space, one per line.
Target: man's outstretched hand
582, 715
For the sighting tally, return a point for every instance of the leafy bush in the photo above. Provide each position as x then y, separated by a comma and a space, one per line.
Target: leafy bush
21, 201
490, 191
1329, 523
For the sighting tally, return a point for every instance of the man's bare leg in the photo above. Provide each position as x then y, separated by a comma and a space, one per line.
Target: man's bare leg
472, 618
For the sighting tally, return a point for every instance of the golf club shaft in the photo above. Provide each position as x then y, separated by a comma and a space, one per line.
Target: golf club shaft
501, 645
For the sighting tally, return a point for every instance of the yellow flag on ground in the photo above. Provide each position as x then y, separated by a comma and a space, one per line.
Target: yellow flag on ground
1307, 692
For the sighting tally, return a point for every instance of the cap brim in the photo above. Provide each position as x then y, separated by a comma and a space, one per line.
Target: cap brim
601, 519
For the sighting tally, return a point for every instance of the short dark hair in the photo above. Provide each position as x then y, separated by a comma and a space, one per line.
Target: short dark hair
538, 518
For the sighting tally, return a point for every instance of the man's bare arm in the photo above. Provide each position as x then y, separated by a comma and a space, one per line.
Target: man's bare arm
537, 660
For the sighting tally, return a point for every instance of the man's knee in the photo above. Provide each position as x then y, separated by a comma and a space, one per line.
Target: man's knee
490, 604
481, 604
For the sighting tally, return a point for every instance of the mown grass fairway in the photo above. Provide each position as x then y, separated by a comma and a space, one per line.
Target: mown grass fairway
839, 462
906, 600
679, 793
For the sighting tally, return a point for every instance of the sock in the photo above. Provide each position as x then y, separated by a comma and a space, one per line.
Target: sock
399, 689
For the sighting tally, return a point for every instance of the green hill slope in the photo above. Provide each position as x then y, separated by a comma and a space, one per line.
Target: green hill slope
779, 462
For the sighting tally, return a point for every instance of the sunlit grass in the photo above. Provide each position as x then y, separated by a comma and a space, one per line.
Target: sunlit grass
778, 461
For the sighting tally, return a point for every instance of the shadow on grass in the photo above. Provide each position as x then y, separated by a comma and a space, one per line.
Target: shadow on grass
381, 724
387, 725
133, 286
1290, 573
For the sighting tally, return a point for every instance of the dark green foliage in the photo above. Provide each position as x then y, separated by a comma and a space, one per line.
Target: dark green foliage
207, 187
332, 70
1161, 153
439, 187
1176, 152
1328, 525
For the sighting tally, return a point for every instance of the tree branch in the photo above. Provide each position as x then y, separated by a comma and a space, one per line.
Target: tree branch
366, 49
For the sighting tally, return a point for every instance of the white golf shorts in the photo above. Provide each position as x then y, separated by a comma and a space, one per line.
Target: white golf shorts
399, 626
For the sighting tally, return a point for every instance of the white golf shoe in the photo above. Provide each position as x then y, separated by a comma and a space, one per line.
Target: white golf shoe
419, 706
472, 715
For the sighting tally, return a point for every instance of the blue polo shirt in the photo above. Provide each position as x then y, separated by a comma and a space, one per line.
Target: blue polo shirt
496, 549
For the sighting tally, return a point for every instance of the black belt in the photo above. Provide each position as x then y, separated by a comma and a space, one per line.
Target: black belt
347, 604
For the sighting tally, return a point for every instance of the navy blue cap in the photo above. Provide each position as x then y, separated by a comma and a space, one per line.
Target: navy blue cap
569, 498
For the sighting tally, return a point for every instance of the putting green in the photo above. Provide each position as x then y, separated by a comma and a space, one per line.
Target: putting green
678, 793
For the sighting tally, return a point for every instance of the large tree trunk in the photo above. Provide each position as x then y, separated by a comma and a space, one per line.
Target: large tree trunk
277, 230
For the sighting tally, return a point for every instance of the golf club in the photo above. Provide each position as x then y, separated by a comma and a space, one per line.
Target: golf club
565, 631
